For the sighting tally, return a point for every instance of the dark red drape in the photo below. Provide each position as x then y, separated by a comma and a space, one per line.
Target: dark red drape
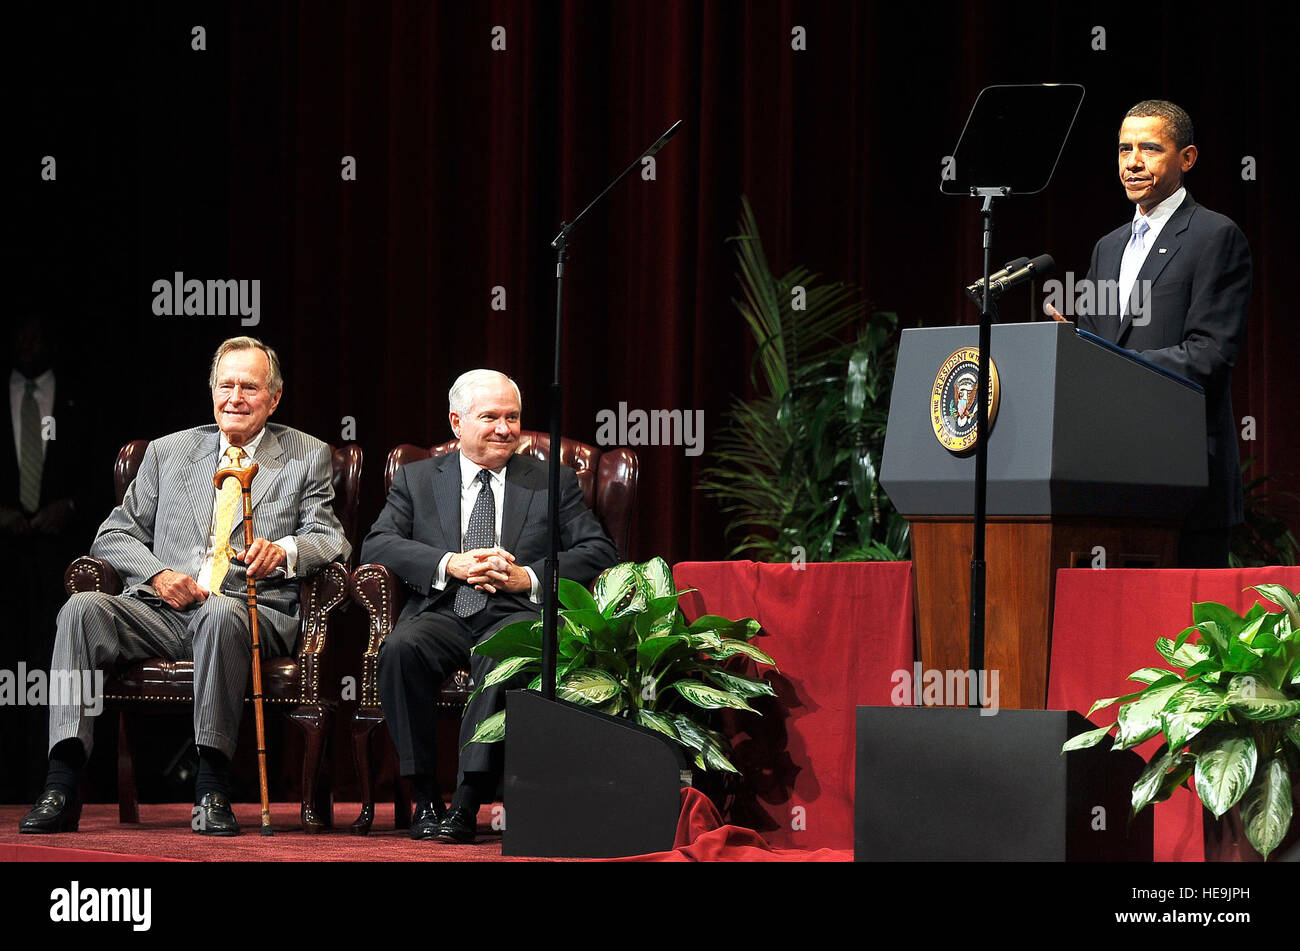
226, 162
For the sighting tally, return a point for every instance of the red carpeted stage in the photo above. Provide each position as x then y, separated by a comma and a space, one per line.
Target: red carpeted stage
838, 633
163, 835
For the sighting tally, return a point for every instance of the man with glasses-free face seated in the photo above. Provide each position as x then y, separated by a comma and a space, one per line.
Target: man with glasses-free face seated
467, 533
176, 542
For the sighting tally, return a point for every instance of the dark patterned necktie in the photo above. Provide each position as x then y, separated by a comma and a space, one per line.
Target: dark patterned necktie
31, 461
481, 533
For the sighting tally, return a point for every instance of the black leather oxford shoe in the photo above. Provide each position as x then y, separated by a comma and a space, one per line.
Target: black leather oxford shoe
54, 812
427, 820
213, 816
459, 827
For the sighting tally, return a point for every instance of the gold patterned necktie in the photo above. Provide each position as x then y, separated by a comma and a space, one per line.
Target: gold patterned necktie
227, 504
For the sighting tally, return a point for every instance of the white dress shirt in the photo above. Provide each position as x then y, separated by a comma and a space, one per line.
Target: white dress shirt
288, 543
1134, 257
469, 490
44, 396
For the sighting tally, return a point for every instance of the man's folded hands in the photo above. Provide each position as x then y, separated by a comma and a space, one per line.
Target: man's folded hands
490, 570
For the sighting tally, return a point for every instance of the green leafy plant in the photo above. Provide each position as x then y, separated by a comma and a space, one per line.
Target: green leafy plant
796, 466
1265, 537
1230, 719
625, 649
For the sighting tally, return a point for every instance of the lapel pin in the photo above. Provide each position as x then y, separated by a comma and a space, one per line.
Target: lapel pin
1162, 250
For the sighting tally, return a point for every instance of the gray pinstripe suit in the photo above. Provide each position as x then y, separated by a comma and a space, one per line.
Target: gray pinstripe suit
165, 521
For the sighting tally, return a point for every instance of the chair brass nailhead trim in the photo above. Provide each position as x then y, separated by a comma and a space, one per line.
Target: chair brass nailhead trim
380, 625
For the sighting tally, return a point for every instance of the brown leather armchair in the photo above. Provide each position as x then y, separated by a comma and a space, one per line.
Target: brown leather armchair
608, 483
290, 685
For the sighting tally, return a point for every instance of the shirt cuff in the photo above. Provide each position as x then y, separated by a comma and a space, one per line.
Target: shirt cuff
534, 595
290, 546
440, 576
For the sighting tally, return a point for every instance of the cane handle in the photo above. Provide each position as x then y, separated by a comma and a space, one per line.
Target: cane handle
245, 476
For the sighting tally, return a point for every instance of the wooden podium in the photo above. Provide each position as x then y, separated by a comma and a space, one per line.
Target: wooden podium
1095, 456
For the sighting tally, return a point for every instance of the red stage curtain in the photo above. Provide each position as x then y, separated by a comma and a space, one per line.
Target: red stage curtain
1105, 628
838, 632
378, 291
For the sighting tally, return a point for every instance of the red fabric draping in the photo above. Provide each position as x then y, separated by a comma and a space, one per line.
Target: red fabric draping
1105, 628
703, 837
838, 632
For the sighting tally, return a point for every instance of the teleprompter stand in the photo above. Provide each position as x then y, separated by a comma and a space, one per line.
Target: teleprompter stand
989, 165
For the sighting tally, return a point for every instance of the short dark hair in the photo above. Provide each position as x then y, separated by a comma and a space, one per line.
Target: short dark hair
1176, 118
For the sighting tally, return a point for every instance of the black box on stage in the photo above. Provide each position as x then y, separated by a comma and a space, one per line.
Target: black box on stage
582, 784
946, 784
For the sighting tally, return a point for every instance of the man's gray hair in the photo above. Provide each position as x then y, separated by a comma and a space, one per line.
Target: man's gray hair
274, 382
461, 395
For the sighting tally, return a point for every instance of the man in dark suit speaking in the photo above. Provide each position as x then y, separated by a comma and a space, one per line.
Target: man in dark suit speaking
467, 533
1183, 275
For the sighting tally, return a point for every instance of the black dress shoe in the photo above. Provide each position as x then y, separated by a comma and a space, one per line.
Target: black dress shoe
55, 811
427, 820
459, 827
213, 816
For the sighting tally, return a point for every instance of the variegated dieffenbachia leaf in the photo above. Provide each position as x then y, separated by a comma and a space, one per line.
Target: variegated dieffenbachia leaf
657, 721
490, 730
1189, 711
1140, 720
711, 698
589, 686
1152, 675
1184, 656
1225, 767
1083, 741
1266, 808
1283, 598
732, 647
1148, 783
1253, 698
747, 687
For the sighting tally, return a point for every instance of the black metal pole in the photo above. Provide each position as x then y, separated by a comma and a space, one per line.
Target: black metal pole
977, 565
551, 583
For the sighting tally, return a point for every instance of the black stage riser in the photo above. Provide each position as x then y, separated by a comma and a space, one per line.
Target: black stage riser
581, 784
946, 784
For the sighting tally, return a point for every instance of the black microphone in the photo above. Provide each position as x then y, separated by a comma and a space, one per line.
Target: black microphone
976, 290
1040, 266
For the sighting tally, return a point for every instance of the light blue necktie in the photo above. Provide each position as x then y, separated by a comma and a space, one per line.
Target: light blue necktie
1132, 261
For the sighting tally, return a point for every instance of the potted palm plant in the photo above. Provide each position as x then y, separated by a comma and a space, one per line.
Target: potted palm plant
795, 467
1229, 714
625, 649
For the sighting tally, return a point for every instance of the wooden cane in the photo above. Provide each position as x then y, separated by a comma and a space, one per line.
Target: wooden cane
245, 477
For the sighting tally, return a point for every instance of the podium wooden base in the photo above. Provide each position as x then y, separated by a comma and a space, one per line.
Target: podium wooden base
1022, 555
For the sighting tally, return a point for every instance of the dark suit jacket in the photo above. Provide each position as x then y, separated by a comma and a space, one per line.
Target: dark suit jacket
64, 475
1195, 325
421, 522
